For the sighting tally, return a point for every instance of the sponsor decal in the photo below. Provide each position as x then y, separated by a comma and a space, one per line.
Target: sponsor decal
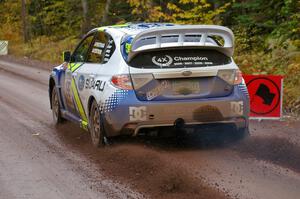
177, 59
68, 95
97, 51
138, 113
91, 83
166, 60
109, 46
237, 107
68, 92
99, 45
81, 81
111, 41
157, 90
162, 61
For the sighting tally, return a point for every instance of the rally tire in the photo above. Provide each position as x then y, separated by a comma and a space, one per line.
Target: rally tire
96, 126
56, 112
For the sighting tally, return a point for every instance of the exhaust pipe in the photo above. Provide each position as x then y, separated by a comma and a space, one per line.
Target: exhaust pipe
179, 123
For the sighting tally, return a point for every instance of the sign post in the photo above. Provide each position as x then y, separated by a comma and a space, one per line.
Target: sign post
266, 94
3, 47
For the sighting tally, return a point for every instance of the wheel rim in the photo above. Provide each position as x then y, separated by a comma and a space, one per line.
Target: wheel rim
96, 127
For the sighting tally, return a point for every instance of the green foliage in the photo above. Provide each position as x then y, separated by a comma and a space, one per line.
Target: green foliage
54, 17
10, 26
62, 18
120, 13
283, 59
182, 11
280, 18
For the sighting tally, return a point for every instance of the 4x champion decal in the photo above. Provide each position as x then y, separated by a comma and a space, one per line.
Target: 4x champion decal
162, 60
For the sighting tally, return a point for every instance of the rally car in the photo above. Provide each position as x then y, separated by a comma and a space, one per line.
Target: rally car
125, 78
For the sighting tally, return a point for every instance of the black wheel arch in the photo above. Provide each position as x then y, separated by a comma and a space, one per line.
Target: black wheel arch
90, 102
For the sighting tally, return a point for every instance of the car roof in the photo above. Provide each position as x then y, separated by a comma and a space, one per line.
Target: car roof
135, 28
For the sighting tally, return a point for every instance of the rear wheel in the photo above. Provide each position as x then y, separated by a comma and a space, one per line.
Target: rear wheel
96, 126
56, 113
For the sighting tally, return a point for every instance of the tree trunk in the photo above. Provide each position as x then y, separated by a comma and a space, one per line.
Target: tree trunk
106, 12
24, 22
86, 20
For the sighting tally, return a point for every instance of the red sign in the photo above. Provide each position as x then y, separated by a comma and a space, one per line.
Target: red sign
265, 95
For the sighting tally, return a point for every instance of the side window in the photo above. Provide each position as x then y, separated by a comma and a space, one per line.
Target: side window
96, 54
81, 51
102, 48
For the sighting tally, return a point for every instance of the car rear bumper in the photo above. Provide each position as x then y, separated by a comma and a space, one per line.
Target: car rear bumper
237, 122
131, 115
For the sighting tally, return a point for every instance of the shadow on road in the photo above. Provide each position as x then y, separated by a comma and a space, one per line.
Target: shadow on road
206, 138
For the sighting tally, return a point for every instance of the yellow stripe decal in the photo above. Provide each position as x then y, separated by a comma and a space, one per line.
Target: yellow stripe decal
113, 26
84, 125
74, 66
127, 47
78, 102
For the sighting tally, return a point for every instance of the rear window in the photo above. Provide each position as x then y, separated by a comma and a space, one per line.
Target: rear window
182, 58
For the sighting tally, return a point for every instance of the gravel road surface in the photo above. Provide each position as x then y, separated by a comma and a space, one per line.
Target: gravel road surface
39, 160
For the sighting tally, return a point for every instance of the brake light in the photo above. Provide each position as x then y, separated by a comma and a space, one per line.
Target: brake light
122, 82
238, 77
232, 77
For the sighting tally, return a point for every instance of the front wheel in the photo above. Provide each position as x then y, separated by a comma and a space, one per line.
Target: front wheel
96, 126
56, 113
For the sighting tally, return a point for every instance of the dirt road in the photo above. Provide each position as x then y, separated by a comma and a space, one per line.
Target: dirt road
38, 160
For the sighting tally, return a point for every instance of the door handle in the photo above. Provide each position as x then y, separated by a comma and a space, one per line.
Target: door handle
92, 75
74, 74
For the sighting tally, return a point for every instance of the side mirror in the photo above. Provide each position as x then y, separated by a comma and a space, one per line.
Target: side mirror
66, 56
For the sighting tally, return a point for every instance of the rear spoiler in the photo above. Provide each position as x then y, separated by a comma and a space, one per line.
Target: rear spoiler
151, 39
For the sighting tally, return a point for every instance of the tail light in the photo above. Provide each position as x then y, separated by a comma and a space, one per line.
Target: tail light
238, 78
232, 77
122, 82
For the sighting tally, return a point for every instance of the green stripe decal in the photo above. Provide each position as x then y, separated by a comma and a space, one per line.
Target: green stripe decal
79, 103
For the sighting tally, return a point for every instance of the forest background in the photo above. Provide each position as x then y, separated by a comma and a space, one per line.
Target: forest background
267, 32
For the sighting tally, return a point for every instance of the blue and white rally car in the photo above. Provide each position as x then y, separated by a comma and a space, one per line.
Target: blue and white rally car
121, 79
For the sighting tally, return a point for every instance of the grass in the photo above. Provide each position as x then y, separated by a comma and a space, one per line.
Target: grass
43, 48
